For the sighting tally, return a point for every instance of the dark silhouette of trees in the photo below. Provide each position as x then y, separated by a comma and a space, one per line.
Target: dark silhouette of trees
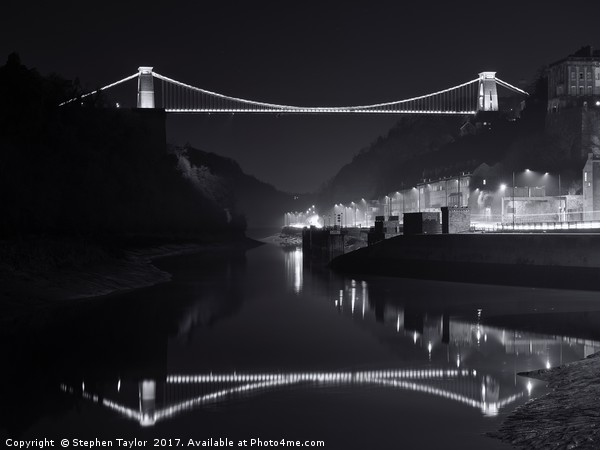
85, 170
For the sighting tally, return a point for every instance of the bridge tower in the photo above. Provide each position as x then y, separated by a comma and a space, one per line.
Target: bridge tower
488, 92
147, 394
145, 98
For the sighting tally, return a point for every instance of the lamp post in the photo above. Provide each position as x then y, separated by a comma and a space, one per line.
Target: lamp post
563, 216
562, 209
365, 215
402, 192
559, 189
513, 200
446, 188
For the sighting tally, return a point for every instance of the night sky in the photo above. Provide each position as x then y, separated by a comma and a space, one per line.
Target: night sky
304, 53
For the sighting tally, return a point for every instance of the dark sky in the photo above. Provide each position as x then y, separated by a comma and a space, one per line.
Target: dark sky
292, 52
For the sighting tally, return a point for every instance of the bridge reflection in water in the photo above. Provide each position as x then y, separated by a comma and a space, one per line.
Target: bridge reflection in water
463, 386
466, 362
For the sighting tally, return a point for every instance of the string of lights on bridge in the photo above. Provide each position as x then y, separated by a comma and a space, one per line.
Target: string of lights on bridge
177, 97
397, 379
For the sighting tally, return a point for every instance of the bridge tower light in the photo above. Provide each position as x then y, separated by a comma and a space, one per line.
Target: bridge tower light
145, 97
488, 92
147, 396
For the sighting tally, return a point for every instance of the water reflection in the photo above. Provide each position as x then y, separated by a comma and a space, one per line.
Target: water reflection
465, 361
294, 268
230, 332
183, 393
430, 330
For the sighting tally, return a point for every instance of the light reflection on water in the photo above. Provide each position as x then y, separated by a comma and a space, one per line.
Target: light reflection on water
294, 268
456, 385
439, 354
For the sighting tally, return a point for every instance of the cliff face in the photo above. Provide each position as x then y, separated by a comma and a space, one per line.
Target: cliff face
86, 170
260, 203
89, 169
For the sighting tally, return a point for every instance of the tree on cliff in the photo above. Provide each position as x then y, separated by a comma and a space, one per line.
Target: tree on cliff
85, 170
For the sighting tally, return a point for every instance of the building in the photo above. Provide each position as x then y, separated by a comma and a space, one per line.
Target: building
574, 81
574, 102
591, 188
452, 191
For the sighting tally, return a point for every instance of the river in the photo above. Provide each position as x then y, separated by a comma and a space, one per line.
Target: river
256, 345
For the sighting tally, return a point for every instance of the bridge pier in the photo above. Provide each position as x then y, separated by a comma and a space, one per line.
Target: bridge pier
488, 92
145, 98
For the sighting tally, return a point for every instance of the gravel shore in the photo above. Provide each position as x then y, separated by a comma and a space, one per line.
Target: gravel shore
566, 418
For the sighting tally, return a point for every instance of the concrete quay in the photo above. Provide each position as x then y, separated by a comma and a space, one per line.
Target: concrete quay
542, 259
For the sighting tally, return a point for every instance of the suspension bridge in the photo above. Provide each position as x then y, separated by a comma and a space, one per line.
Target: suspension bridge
469, 98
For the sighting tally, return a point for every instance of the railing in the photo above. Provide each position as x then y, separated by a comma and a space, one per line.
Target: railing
535, 226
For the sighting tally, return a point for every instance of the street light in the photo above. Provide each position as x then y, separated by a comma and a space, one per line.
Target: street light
513, 199
366, 212
514, 206
559, 195
418, 198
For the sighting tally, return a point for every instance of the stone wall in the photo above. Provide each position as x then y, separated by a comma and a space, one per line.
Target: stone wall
422, 223
456, 220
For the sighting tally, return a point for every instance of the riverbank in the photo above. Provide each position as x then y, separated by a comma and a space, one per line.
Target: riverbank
544, 260
42, 273
288, 237
566, 418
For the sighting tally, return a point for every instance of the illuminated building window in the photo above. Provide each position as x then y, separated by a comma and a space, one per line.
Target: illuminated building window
585, 175
484, 181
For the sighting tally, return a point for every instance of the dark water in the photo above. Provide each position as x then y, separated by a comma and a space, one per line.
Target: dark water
256, 346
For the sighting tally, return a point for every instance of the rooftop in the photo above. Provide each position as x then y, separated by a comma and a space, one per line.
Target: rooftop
585, 53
